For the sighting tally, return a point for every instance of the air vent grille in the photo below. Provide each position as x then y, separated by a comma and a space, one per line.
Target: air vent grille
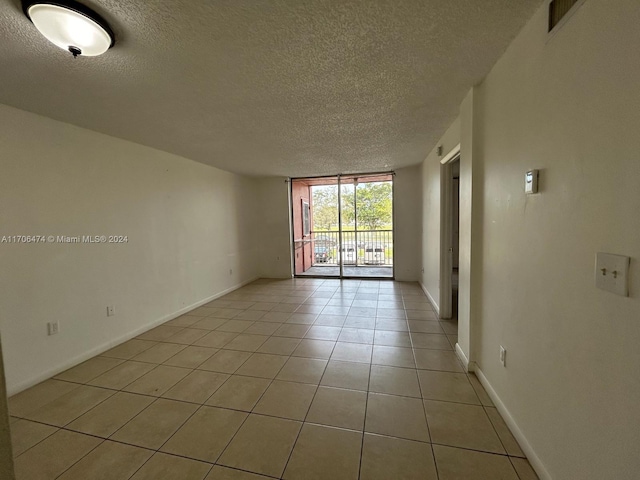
558, 9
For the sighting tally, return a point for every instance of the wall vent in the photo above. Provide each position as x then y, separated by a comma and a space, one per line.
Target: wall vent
558, 9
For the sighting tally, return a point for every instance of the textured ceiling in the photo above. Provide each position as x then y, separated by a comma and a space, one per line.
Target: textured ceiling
280, 87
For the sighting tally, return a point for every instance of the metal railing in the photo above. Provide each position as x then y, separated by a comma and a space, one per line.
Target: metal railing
360, 248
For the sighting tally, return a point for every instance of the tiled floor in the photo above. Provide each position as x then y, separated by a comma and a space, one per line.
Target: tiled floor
361, 271
296, 379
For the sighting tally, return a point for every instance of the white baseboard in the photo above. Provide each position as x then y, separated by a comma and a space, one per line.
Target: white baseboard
72, 362
469, 366
431, 299
533, 458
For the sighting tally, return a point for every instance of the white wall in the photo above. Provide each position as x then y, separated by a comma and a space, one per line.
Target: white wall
568, 104
407, 209
430, 275
274, 237
188, 226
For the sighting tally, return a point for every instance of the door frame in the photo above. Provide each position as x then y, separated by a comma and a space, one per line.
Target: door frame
446, 232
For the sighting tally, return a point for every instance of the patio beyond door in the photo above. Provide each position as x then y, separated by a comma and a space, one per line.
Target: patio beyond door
343, 226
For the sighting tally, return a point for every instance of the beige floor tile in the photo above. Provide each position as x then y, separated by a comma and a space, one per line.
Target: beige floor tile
262, 445
239, 393
163, 466
390, 324
447, 386
107, 417
154, 425
183, 321
305, 370
395, 313
302, 318
286, 400
158, 380
367, 323
346, 375
331, 320
314, 349
25, 434
356, 335
129, 349
89, 370
450, 327
262, 328
325, 452
480, 391
225, 361
338, 408
425, 326
159, 353
506, 437
68, 407
352, 352
206, 434
252, 315
209, 323
54, 455
226, 313
396, 416
430, 340
524, 469
109, 461
187, 336
277, 315
35, 397
413, 314
196, 387
392, 339
158, 334
215, 339
292, 330
461, 425
191, 357
235, 325
279, 345
122, 375
322, 332
457, 463
385, 458
394, 381
437, 360
393, 356
369, 312
262, 365
223, 473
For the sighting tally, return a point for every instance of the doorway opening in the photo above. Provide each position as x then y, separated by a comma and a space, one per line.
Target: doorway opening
343, 226
449, 233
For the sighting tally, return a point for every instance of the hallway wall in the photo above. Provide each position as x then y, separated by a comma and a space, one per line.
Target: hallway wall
569, 105
191, 235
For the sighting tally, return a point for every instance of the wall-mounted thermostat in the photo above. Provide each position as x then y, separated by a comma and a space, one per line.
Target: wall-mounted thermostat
531, 181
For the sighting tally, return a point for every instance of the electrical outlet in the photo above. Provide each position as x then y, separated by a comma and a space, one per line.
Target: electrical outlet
53, 328
111, 311
503, 356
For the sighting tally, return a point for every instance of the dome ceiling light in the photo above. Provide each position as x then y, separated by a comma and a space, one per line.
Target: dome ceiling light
71, 26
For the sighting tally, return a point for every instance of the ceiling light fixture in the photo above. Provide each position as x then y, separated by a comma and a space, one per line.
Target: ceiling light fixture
70, 26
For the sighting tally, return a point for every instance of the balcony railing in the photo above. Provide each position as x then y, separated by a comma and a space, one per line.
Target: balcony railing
361, 248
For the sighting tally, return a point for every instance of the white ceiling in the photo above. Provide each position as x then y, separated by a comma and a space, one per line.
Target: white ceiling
268, 87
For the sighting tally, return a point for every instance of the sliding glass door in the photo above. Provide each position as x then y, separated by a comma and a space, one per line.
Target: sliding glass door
343, 226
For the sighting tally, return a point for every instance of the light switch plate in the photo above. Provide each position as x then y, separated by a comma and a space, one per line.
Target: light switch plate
612, 273
531, 182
